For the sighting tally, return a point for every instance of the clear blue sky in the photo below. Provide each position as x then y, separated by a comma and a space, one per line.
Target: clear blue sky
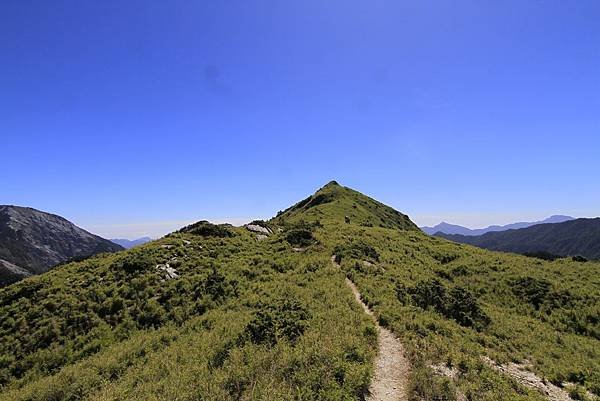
133, 117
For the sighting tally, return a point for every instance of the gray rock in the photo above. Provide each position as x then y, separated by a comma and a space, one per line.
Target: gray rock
169, 272
258, 229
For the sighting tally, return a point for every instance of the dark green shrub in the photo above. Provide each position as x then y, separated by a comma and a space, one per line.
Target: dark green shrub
217, 286
151, 314
285, 319
206, 229
430, 294
445, 259
319, 199
458, 303
135, 262
463, 308
534, 291
299, 237
542, 255
355, 250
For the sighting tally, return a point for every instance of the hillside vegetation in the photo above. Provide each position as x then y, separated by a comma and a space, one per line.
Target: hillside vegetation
224, 313
580, 237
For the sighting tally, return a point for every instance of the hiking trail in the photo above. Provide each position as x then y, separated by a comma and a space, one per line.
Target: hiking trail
391, 375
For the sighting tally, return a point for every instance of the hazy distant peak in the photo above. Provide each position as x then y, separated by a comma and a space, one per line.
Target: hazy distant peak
447, 228
130, 243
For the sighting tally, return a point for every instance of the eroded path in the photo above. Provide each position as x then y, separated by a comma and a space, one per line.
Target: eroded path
390, 381
533, 381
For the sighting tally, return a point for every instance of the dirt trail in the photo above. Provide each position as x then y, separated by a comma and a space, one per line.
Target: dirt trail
390, 382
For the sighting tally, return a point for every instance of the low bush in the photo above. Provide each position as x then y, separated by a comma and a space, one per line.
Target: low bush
458, 303
355, 250
207, 229
299, 237
135, 262
283, 319
534, 291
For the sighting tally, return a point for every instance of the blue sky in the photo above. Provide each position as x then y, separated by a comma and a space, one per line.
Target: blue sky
135, 117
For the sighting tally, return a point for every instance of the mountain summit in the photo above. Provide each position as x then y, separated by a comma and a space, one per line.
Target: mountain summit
335, 203
32, 241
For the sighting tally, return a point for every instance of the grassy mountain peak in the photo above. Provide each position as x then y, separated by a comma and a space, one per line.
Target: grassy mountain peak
334, 203
260, 312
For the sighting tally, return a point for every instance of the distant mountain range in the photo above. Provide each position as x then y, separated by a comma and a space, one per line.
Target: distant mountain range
130, 243
447, 228
579, 237
32, 242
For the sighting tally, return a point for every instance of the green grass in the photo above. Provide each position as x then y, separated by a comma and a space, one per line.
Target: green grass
559, 337
200, 320
250, 319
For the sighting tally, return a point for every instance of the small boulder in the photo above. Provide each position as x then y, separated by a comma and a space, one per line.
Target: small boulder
169, 272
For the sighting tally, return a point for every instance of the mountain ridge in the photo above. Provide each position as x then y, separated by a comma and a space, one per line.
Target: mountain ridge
448, 228
130, 243
34, 241
579, 237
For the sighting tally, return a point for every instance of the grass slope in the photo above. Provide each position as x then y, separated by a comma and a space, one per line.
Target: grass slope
336, 204
272, 319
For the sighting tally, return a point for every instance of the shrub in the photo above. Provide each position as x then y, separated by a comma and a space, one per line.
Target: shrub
429, 294
217, 286
464, 309
542, 255
445, 259
356, 250
299, 237
206, 229
135, 262
282, 319
534, 291
458, 303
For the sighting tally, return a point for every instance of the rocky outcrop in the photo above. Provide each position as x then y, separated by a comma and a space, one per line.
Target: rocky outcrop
169, 272
258, 229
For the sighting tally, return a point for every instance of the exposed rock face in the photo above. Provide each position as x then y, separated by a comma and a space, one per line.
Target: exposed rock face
258, 229
32, 242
